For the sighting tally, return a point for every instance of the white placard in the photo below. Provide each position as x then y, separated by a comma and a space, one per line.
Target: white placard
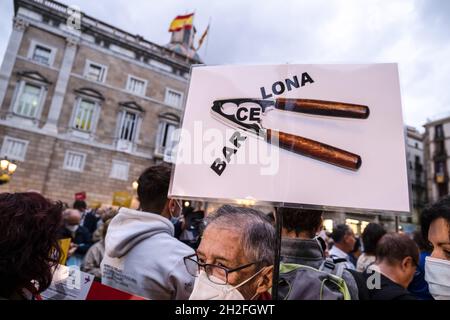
256, 170
68, 283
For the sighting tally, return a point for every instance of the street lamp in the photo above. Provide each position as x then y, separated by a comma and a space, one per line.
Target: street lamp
7, 169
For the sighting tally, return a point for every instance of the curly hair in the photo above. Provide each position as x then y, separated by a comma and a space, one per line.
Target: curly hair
29, 246
439, 209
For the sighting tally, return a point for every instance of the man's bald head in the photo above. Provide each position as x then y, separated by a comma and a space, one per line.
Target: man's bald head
72, 216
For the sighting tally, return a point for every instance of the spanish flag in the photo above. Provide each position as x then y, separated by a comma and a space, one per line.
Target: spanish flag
182, 22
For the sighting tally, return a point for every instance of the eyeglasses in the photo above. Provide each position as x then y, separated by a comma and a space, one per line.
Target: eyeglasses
216, 274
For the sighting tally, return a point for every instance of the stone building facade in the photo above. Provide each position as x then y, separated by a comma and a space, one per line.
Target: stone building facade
85, 106
417, 171
437, 147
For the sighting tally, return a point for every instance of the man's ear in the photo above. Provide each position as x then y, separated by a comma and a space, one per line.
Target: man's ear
172, 205
167, 208
265, 280
345, 239
320, 227
406, 263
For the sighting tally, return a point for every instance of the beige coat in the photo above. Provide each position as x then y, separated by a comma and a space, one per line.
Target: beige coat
93, 258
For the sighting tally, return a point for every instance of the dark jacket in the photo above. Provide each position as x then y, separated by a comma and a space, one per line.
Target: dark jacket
90, 221
82, 237
310, 253
388, 289
418, 286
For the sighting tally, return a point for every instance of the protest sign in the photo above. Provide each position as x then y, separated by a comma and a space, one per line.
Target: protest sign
64, 244
69, 283
81, 196
122, 199
298, 135
102, 292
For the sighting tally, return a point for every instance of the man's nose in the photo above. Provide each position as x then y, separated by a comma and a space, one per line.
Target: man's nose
438, 254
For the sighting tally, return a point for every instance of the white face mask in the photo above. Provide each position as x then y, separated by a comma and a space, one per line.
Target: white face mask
204, 289
437, 274
72, 228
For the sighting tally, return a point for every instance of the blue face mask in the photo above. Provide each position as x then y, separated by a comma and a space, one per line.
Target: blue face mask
175, 220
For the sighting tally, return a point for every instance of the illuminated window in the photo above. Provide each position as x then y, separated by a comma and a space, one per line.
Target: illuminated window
328, 224
84, 115
29, 100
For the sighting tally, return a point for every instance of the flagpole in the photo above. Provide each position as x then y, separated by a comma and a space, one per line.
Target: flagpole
207, 36
191, 38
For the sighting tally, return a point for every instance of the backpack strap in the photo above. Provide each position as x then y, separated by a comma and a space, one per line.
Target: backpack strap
327, 266
340, 267
333, 266
335, 272
337, 260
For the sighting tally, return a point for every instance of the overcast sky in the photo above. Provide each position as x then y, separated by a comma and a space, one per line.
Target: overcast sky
414, 33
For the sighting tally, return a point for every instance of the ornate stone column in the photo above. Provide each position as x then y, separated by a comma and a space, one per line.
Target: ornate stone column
19, 26
61, 85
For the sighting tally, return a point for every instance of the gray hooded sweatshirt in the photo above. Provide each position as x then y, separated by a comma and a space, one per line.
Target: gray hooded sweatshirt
142, 257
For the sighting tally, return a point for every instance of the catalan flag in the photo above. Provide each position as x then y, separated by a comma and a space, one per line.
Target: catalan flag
182, 22
202, 38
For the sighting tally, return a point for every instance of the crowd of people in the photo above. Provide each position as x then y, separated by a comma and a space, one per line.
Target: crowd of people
163, 250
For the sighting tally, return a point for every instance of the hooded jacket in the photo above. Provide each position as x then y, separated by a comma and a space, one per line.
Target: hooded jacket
142, 257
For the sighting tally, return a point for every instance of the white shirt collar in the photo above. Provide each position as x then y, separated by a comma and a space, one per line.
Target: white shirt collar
338, 253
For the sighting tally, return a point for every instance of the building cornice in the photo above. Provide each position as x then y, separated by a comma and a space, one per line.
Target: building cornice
416, 136
436, 122
134, 61
95, 27
69, 138
74, 40
37, 63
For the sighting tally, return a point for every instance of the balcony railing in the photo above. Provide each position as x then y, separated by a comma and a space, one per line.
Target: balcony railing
53, 5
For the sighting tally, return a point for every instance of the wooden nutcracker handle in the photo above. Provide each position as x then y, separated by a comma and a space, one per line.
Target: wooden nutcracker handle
324, 108
314, 149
